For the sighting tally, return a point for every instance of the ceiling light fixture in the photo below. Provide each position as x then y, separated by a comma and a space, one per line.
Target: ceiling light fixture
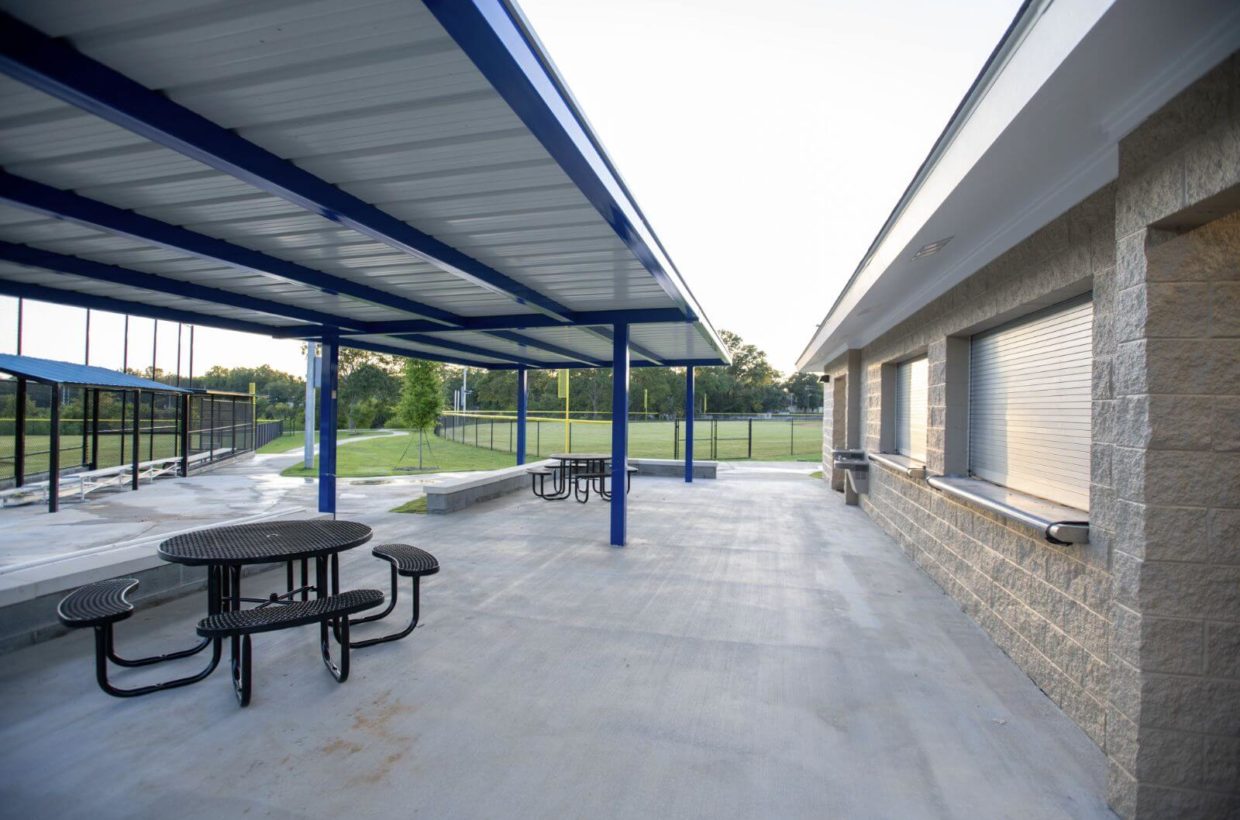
933, 247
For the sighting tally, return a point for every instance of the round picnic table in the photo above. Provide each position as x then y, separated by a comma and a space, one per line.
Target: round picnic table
225, 550
264, 542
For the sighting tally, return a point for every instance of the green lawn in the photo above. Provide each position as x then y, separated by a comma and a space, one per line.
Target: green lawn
295, 440
165, 445
773, 440
398, 455
389, 454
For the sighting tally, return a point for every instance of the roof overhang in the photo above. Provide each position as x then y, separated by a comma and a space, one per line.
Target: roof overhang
1037, 133
396, 176
50, 371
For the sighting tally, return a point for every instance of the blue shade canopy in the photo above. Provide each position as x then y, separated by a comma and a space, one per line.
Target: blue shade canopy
398, 176
50, 371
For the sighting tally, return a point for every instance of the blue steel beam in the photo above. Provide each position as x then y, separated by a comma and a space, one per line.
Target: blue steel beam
548, 347
76, 265
505, 52
54, 67
50, 201
527, 321
556, 365
53, 202
59, 296
523, 395
327, 428
434, 341
688, 425
619, 435
604, 333
428, 356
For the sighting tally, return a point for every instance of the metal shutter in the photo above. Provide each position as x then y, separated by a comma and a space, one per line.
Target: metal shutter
1029, 403
912, 379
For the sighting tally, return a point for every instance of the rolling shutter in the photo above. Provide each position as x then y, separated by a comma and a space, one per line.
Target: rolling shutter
912, 379
1029, 403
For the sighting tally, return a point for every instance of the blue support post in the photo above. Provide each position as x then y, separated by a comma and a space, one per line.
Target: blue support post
327, 427
619, 435
522, 396
689, 424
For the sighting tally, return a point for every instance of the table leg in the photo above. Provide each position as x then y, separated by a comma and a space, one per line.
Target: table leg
234, 605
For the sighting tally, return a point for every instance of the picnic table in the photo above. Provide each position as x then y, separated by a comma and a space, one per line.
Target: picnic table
224, 551
574, 476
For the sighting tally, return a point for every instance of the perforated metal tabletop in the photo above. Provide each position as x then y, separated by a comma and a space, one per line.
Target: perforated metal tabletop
264, 542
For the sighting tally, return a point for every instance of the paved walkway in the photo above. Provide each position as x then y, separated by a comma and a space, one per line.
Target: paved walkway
759, 650
248, 486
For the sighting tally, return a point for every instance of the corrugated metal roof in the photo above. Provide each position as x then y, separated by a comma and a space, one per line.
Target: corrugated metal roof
377, 98
80, 375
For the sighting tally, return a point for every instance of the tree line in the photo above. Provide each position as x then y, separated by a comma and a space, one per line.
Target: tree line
371, 388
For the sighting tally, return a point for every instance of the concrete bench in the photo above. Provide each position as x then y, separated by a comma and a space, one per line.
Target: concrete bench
459, 493
673, 467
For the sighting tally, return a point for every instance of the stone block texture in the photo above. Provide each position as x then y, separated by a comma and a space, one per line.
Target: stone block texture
1136, 635
1171, 430
1048, 607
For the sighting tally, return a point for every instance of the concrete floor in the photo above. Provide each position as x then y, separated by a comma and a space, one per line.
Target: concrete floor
758, 650
251, 485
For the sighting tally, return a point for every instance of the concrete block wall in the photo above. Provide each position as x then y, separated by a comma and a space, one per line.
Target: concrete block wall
1048, 607
1137, 634
1172, 429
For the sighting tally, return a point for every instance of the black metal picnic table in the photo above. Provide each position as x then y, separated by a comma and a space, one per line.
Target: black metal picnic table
225, 550
570, 465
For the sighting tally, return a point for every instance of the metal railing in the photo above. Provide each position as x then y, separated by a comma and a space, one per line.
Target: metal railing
716, 437
220, 426
266, 432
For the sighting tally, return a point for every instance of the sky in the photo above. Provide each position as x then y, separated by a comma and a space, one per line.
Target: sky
765, 142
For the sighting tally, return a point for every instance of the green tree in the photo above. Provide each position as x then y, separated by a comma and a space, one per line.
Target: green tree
804, 391
367, 394
421, 398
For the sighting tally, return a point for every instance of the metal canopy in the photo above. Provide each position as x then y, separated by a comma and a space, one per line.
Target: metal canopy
50, 371
406, 178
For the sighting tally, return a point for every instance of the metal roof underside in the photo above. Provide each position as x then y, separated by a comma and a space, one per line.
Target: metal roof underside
405, 177
1036, 134
50, 371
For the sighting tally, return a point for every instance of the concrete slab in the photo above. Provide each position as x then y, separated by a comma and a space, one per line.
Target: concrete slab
758, 650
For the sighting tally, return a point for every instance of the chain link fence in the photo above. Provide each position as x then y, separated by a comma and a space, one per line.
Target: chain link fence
716, 437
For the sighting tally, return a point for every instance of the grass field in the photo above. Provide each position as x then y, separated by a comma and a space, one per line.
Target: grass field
294, 440
398, 455
165, 445
772, 440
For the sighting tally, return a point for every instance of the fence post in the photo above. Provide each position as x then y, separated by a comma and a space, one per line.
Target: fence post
150, 444
792, 437
676, 439
492, 447
749, 453
19, 426
85, 436
137, 436
53, 454
185, 410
